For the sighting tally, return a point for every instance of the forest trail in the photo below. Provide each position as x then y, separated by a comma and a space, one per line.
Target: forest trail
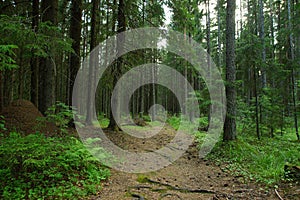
187, 178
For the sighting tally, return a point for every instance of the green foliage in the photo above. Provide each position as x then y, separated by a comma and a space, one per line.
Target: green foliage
174, 121
37, 167
51, 41
47, 42
6, 57
261, 160
2, 123
203, 122
103, 121
146, 118
271, 118
60, 114
246, 117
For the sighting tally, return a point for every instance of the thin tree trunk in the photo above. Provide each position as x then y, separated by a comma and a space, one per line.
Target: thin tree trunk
208, 48
21, 76
185, 76
256, 105
8, 86
153, 117
219, 34
1, 92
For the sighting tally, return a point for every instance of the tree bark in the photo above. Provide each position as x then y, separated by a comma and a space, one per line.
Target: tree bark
117, 69
95, 8
292, 59
208, 21
34, 62
47, 65
230, 123
75, 34
1, 92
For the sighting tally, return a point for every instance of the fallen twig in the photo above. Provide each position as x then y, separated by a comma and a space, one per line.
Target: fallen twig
278, 195
242, 190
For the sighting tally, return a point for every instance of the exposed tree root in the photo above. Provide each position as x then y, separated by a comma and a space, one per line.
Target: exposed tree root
168, 194
140, 197
185, 190
168, 187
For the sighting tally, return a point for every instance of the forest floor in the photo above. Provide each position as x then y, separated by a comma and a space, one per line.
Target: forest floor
187, 178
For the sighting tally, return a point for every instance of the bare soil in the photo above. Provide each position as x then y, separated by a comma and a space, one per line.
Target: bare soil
188, 178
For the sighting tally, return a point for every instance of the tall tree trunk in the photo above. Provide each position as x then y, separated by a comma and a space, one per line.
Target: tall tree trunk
230, 123
34, 64
154, 101
262, 38
75, 34
89, 116
208, 48
291, 62
1, 92
272, 29
117, 69
219, 33
47, 65
261, 29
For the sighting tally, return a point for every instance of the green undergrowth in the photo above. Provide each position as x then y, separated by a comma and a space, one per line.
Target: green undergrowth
103, 121
174, 121
191, 128
258, 160
37, 167
185, 124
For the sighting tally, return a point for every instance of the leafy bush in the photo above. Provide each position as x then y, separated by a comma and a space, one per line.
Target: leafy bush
60, 114
203, 122
37, 167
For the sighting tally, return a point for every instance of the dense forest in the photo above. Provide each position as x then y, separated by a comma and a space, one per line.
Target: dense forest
254, 44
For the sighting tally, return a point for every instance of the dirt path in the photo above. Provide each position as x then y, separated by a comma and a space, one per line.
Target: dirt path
188, 178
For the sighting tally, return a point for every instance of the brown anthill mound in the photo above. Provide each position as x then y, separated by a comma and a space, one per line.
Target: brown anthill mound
140, 122
21, 116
